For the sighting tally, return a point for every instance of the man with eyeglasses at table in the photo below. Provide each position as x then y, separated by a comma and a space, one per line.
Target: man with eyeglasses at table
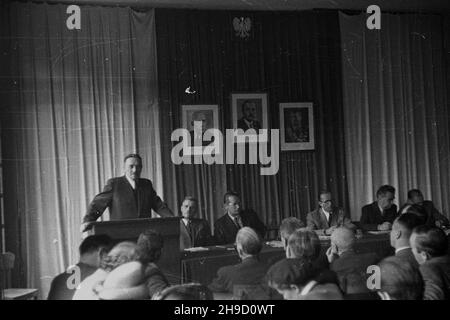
327, 217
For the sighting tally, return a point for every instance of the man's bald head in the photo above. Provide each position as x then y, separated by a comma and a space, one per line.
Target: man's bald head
343, 238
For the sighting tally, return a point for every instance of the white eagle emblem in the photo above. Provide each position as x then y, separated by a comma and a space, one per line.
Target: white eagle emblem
242, 26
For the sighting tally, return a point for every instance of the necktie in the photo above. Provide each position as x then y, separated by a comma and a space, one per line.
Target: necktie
237, 221
190, 231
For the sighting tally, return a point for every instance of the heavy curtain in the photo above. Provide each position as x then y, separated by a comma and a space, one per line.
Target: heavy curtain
293, 57
74, 103
396, 107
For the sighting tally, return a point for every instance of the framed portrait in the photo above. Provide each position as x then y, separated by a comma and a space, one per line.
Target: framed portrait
209, 117
249, 111
296, 126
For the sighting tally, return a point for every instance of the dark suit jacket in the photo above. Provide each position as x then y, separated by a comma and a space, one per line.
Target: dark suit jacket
155, 280
243, 125
316, 220
201, 234
433, 214
249, 272
124, 202
371, 216
436, 275
59, 289
351, 269
225, 229
407, 255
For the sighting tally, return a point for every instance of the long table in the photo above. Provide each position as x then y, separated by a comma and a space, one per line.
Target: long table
202, 266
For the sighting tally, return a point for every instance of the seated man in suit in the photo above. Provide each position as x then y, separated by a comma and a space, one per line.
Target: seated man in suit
350, 267
249, 272
327, 217
227, 226
287, 227
434, 217
297, 279
430, 248
399, 280
127, 197
400, 234
380, 214
92, 249
194, 232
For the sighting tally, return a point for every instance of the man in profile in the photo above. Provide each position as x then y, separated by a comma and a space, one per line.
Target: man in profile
380, 214
235, 218
430, 248
92, 250
400, 234
194, 232
327, 217
127, 197
248, 120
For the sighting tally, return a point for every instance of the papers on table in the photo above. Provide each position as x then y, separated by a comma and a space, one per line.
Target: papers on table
324, 237
275, 244
379, 232
195, 249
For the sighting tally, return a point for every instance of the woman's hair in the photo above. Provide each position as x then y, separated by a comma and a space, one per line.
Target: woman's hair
121, 253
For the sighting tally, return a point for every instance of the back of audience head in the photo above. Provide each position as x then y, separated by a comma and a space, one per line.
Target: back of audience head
419, 211
287, 227
343, 239
150, 244
189, 291
248, 243
121, 253
400, 280
402, 229
304, 245
93, 248
428, 242
289, 276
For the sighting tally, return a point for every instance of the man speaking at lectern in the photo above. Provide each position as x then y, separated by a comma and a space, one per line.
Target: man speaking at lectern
127, 197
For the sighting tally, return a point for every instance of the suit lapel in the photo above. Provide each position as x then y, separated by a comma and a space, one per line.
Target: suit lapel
130, 194
323, 219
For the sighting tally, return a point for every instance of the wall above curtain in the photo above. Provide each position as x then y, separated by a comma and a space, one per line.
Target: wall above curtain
293, 57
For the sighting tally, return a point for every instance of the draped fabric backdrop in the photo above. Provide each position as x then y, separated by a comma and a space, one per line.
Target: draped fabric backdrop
76, 102
294, 57
396, 107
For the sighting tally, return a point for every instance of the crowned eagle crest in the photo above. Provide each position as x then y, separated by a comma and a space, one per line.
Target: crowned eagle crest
242, 26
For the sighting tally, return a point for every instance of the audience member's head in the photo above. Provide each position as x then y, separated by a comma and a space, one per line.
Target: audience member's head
415, 196
287, 227
189, 207
232, 203
248, 243
402, 229
385, 196
417, 210
133, 166
189, 291
427, 243
304, 245
121, 253
343, 239
150, 244
290, 276
94, 248
400, 280
326, 201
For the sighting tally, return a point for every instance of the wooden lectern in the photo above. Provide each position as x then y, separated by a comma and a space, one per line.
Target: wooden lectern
129, 230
